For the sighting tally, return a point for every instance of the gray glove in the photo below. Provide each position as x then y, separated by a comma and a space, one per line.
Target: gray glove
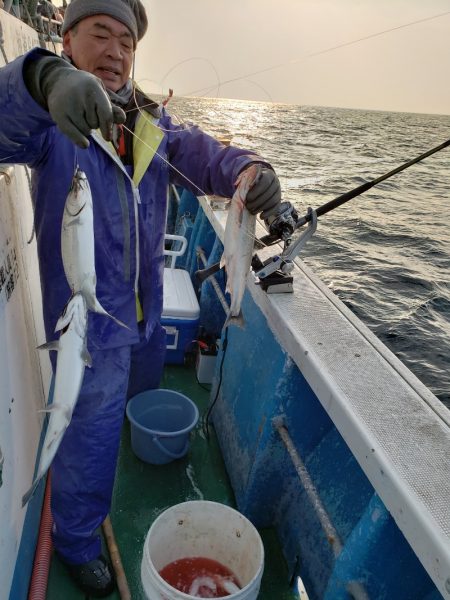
265, 193
76, 100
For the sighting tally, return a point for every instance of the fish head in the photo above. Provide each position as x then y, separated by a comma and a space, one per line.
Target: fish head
79, 194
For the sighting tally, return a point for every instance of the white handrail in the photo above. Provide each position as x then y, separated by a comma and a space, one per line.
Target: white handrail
175, 253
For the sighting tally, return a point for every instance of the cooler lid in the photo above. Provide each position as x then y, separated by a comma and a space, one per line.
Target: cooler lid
180, 301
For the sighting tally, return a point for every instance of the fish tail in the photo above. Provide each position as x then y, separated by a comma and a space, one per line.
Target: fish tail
54, 345
74, 311
95, 306
237, 320
48, 409
56, 407
62, 322
26, 497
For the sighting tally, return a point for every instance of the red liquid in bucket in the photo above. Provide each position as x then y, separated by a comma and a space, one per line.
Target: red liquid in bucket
200, 577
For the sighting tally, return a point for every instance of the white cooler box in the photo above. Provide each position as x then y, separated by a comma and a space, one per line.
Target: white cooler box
180, 316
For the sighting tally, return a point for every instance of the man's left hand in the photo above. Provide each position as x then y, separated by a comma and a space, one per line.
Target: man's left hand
265, 193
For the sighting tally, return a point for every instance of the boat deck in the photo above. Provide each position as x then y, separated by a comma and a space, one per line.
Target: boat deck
143, 491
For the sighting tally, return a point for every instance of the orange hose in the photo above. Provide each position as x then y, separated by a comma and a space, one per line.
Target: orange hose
42, 557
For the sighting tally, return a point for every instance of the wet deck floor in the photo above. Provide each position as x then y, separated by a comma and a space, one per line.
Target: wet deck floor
143, 491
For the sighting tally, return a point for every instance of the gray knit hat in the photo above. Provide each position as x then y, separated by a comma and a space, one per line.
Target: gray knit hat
129, 12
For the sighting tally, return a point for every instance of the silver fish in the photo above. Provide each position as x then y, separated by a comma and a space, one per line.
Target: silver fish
238, 245
77, 244
73, 356
212, 584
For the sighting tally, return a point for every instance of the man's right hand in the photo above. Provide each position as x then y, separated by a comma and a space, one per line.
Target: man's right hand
76, 100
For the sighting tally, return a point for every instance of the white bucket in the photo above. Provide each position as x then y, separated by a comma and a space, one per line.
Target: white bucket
206, 529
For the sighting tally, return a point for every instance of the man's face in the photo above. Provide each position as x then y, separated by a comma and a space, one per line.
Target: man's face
102, 46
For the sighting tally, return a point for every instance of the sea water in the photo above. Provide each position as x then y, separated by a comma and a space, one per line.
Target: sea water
386, 253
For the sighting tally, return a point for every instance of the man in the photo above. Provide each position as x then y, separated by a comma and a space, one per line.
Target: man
49, 109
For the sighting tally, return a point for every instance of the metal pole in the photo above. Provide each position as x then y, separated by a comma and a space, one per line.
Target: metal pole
354, 588
309, 487
213, 282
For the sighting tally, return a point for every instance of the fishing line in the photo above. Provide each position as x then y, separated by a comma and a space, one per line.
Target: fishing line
326, 50
196, 58
181, 121
186, 129
167, 162
7, 157
303, 58
253, 236
139, 108
203, 193
262, 88
283, 175
207, 414
248, 233
76, 164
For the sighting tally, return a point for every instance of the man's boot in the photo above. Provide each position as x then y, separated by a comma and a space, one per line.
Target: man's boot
95, 578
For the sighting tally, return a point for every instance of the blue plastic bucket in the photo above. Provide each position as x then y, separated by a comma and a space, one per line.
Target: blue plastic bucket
161, 421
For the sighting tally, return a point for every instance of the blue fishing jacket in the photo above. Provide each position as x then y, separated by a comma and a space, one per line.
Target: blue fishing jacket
129, 204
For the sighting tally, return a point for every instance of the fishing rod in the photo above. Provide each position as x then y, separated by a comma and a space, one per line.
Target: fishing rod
286, 221
281, 226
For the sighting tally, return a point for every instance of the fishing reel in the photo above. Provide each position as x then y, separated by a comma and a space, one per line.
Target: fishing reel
274, 273
280, 225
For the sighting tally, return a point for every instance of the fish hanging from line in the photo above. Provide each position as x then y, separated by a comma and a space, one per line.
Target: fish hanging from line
77, 249
77, 244
73, 356
238, 244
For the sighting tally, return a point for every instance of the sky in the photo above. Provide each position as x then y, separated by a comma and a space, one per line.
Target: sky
193, 46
